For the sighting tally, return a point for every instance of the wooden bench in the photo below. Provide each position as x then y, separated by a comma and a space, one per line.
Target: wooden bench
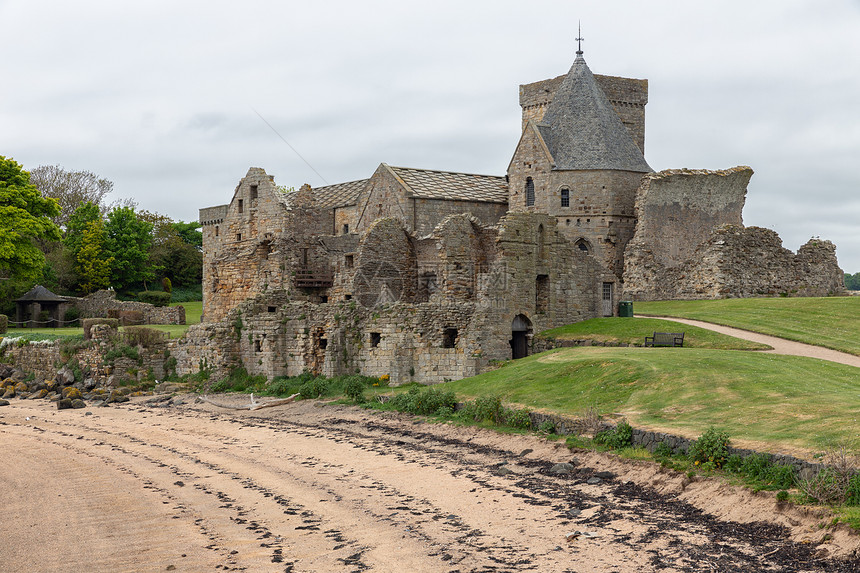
665, 339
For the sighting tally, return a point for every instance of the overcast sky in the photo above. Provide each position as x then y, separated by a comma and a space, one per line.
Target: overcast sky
162, 97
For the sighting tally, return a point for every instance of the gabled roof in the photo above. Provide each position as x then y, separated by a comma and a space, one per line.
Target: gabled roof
339, 194
430, 184
583, 131
40, 294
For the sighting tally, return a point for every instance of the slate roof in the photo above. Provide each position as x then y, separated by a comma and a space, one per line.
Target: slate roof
430, 184
339, 194
582, 130
40, 294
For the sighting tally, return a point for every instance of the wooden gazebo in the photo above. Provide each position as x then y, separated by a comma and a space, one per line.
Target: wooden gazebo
39, 307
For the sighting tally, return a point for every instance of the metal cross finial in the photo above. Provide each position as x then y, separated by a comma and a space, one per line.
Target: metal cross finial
579, 39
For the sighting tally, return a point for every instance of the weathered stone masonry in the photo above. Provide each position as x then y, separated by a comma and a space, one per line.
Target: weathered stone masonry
429, 275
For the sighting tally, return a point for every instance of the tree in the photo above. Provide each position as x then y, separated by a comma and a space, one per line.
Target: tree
71, 189
852, 282
128, 242
25, 217
93, 263
176, 251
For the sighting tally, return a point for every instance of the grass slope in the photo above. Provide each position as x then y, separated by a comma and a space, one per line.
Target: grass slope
634, 330
766, 398
832, 322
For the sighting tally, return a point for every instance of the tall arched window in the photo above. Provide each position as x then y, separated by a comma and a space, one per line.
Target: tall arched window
530, 192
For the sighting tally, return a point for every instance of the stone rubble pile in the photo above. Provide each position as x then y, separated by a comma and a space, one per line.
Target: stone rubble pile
65, 390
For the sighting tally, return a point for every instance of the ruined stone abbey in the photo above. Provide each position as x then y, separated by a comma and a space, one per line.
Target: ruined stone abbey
430, 275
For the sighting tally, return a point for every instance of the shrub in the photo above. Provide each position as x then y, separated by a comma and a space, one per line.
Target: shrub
547, 427
4, 323
354, 389
782, 495
663, 450
166, 285
712, 447
88, 323
315, 388
154, 297
484, 408
143, 336
517, 418
618, 437
426, 402
71, 316
853, 494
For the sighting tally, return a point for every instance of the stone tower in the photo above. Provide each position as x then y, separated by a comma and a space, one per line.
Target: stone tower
580, 164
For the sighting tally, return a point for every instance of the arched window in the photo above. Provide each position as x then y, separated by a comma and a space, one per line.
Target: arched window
530, 192
565, 197
583, 246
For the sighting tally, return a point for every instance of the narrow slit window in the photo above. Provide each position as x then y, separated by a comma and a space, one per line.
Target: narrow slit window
565, 197
241, 205
253, 194
530, 192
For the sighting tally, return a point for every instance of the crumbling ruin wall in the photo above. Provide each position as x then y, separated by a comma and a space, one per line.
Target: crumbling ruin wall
100, 303
751, 261
690, 243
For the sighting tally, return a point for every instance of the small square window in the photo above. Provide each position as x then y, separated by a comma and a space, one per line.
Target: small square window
258, 346
375, 339
345, 229
273, 309
323, 299
349, 261
347, 297
241, 206
323, 343
238, 236
253, 194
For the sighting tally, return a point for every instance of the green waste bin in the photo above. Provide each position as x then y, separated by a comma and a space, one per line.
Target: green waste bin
625, 308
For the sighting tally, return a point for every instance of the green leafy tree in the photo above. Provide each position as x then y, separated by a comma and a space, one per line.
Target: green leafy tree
852, 282
25, 218
176, 250
128, 242
93, 263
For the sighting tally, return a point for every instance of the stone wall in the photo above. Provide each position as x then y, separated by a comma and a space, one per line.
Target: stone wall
100, 303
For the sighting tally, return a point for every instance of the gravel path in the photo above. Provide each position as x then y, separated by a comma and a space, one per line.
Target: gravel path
303, 487
779, 345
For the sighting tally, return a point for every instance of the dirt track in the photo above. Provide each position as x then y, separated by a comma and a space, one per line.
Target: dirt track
308, 488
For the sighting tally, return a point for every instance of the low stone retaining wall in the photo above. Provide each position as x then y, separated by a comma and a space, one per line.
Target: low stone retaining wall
544, 344
101, 303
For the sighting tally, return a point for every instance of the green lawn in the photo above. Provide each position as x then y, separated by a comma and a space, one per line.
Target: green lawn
193, 311
833, 322
765, 399
634, 330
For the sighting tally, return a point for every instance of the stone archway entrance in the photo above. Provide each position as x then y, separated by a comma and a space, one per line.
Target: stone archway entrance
521, 333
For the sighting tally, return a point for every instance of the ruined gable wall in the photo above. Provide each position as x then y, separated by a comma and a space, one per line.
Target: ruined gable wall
676, 213
256, 244
530, 160
628, 97
383, 197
